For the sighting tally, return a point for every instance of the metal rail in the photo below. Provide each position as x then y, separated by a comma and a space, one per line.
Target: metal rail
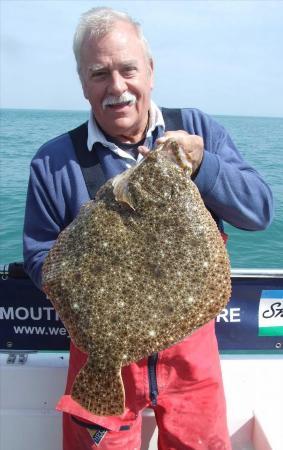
257, 273
235, 273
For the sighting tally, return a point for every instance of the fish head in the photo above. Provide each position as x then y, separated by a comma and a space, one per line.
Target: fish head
156, 180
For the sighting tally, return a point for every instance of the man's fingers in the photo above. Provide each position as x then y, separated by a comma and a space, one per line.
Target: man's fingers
161, 140
178, 134
143, 150
167, 135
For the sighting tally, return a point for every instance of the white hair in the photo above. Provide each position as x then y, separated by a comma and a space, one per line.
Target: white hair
97, 22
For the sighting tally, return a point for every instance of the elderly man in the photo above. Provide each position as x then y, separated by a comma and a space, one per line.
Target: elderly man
183, 383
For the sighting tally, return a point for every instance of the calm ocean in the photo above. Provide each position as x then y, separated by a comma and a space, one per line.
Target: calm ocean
23, 131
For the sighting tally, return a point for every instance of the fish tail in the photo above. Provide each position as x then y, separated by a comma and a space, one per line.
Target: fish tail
100, 391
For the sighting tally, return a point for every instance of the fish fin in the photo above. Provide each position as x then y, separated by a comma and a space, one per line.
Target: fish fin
100, 391
121, 188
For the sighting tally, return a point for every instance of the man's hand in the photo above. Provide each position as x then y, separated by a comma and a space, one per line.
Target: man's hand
192, 145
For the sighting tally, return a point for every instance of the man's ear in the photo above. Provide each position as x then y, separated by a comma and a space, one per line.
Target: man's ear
84, 87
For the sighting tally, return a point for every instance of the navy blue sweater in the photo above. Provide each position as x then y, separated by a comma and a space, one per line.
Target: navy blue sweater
231, 189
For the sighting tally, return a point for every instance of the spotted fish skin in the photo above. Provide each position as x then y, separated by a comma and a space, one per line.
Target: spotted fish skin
136, 273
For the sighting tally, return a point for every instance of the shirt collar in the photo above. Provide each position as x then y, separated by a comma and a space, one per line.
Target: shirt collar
95, 134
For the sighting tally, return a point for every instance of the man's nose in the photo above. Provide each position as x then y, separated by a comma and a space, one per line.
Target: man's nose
117, 84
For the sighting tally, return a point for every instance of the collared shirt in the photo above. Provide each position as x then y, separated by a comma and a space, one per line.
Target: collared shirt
96, 135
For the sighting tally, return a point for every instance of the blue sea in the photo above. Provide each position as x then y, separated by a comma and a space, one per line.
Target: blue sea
23, 131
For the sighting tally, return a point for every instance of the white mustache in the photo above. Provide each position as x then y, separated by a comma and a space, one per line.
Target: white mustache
126, 97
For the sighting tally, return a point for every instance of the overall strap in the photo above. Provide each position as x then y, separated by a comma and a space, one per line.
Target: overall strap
88, 160
173, 122
173, 119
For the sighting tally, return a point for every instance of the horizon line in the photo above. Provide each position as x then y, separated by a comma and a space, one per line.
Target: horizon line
87, 111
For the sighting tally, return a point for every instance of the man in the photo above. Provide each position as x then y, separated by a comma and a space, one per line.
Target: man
183, 383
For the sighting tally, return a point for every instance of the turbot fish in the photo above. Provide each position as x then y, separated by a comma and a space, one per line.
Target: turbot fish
139, 269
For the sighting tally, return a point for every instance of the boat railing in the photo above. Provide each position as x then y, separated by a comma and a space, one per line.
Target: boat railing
252, 322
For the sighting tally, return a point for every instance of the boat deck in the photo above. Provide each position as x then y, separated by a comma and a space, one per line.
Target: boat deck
29, 392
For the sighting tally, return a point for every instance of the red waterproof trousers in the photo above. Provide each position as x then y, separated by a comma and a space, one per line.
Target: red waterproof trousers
190, 406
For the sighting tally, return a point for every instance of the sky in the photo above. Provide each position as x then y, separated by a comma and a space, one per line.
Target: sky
223, 57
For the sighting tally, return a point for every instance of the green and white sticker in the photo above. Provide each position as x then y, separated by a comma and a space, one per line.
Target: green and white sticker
270, 313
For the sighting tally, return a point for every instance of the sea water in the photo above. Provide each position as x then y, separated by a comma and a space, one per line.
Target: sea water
259, 140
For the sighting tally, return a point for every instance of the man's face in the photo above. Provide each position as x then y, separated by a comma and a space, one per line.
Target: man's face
111, 66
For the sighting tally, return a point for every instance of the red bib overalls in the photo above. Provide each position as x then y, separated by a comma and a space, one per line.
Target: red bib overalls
184, 388
190, 407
